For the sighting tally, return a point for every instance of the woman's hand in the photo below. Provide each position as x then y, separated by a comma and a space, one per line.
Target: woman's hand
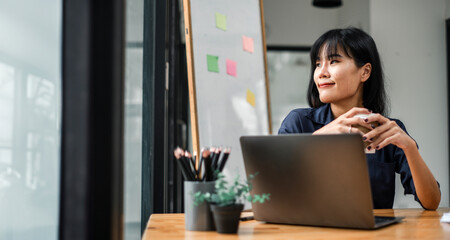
388, 132
347, 123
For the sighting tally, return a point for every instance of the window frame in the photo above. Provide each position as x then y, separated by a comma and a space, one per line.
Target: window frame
91, 189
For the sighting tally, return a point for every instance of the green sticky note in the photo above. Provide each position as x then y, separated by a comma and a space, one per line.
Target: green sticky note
213, 63
221, 21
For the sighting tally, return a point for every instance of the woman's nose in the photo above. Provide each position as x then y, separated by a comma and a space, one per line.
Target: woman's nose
323, 71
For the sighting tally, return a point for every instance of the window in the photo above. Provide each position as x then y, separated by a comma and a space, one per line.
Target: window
133, 119
30, 119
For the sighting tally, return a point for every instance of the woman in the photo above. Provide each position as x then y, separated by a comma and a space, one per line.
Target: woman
347, 80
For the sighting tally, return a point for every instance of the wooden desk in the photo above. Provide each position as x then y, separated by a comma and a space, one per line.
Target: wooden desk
418, 224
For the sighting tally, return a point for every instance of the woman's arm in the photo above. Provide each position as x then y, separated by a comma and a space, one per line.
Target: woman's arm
389, 132
427, 189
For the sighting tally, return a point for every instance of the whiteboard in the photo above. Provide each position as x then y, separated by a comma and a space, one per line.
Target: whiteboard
226, 102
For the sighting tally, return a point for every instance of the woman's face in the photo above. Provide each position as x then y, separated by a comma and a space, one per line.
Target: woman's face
338, 79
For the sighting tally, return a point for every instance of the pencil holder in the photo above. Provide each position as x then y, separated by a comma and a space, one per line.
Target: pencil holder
197, 218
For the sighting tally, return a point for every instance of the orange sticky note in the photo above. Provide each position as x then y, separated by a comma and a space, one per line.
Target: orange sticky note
231, 67
251, 97
247, 43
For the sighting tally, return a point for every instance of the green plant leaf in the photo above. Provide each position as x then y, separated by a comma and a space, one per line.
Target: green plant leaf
229, 194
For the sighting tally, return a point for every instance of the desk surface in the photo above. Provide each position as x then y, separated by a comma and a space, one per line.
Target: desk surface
418, 224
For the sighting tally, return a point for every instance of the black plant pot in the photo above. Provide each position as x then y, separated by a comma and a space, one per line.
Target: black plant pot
227, 218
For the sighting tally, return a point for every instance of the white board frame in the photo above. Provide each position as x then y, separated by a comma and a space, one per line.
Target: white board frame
235, 115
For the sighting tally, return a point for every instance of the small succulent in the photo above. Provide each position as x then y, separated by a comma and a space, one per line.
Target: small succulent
226, 194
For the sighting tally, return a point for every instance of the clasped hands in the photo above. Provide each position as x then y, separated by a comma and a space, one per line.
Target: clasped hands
376, 130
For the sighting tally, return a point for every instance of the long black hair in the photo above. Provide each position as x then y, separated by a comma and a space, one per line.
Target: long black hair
361, 47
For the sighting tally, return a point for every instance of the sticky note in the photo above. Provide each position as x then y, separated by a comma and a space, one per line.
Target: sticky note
221, 21
247, 43
251, 97
231, 67
213, 63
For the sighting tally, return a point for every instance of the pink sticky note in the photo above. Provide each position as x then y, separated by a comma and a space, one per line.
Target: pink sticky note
247, 43
231, 67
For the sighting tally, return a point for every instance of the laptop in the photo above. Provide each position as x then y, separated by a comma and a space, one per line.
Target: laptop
315, 180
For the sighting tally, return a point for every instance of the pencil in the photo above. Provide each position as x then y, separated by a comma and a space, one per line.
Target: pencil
194, 162
215, 158
224, 159
194, 158
207, 165
189, 164
200, 163
178, 153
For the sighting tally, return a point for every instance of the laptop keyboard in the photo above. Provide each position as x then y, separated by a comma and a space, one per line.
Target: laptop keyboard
379, 219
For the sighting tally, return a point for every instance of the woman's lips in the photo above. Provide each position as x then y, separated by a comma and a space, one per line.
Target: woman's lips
324, 85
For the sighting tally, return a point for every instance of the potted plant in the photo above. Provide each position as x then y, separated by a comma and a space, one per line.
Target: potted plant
227, 201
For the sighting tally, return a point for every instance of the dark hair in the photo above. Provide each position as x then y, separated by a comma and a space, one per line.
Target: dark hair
360, 46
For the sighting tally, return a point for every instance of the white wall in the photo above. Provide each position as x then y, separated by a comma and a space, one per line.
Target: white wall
354, 13
447, 9
298, 23
410, 35
293, 22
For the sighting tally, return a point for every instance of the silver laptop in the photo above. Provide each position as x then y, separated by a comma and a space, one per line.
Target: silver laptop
316, 180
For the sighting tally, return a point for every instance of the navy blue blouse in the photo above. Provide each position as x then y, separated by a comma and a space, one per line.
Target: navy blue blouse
383, 164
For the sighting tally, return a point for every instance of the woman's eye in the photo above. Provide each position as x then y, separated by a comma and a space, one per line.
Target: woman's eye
317, 64
334, 61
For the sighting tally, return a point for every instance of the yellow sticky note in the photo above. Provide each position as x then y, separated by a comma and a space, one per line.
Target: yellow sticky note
221, 21
251, 97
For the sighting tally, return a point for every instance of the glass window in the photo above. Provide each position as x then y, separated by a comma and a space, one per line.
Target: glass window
287, 68
30, 115
133, 119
